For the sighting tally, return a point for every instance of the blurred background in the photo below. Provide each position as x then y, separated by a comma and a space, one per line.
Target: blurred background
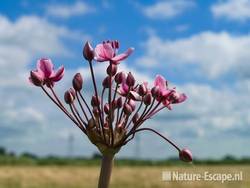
201, 47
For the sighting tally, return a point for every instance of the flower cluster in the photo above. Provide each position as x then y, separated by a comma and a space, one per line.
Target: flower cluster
112, 117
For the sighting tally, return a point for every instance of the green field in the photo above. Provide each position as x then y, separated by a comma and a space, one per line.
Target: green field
123, 176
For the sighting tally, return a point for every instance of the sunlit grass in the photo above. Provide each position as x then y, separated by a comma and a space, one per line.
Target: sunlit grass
122, 177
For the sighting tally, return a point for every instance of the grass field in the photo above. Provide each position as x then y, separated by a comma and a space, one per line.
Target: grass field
123, 177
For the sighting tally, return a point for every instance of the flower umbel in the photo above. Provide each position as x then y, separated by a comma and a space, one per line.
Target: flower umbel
113, 123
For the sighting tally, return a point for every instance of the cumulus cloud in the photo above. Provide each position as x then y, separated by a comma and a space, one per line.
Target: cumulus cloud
167, 9
23, 111
217, 54
212, 111
235, 10
69, 10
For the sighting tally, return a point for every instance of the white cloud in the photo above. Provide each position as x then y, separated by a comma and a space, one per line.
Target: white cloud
212, 112
210, 115
167, 9
24, 111
66, 11
216, 54
236, 10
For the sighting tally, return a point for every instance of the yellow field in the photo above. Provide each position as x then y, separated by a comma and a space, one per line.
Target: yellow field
123, 177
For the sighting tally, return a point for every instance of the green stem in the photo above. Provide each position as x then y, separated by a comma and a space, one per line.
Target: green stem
106, 169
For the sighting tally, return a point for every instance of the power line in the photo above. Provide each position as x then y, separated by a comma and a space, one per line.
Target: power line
70, 149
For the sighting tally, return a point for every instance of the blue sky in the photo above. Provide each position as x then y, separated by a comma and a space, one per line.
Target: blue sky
202, 47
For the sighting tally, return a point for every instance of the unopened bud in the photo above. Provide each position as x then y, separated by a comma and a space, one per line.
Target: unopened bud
185, 155
95, 111
88, 51
147, 99
142, 90
95, 101
77, 82
91, 123
106, 82
112, 69
132, 104
130, 81
135, 96
127, 109
106, 125
119, 102
69, 96
106, 108
120, 77
156, 92
135, 118
35, 78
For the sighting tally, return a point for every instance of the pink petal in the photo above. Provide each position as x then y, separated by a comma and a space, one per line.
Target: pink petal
46, 66
182, 98
166, 93
36, 78
58, 75
99, 59
160, 81
123, 56
167, 104
145, 84
123, 90
104, 52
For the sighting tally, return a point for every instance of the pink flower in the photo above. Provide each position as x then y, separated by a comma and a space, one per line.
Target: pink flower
123, 89
106, 51
45, 73
161, 82
176, 97
168, 96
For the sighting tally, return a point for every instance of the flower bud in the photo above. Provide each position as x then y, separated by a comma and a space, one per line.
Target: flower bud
106, 82
135, 118
114, 104
77, 82
35, 78
135, 96
147, 99
95, 111
119, 102
95, 101
106, 108
127, 109
130, 81
69, 96
106, 126
185, 155
120, 77
132, 104
142, 90
88, 52
91, 124
156, 92
112, 69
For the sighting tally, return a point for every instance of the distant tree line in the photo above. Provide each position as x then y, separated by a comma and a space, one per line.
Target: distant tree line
26, 158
